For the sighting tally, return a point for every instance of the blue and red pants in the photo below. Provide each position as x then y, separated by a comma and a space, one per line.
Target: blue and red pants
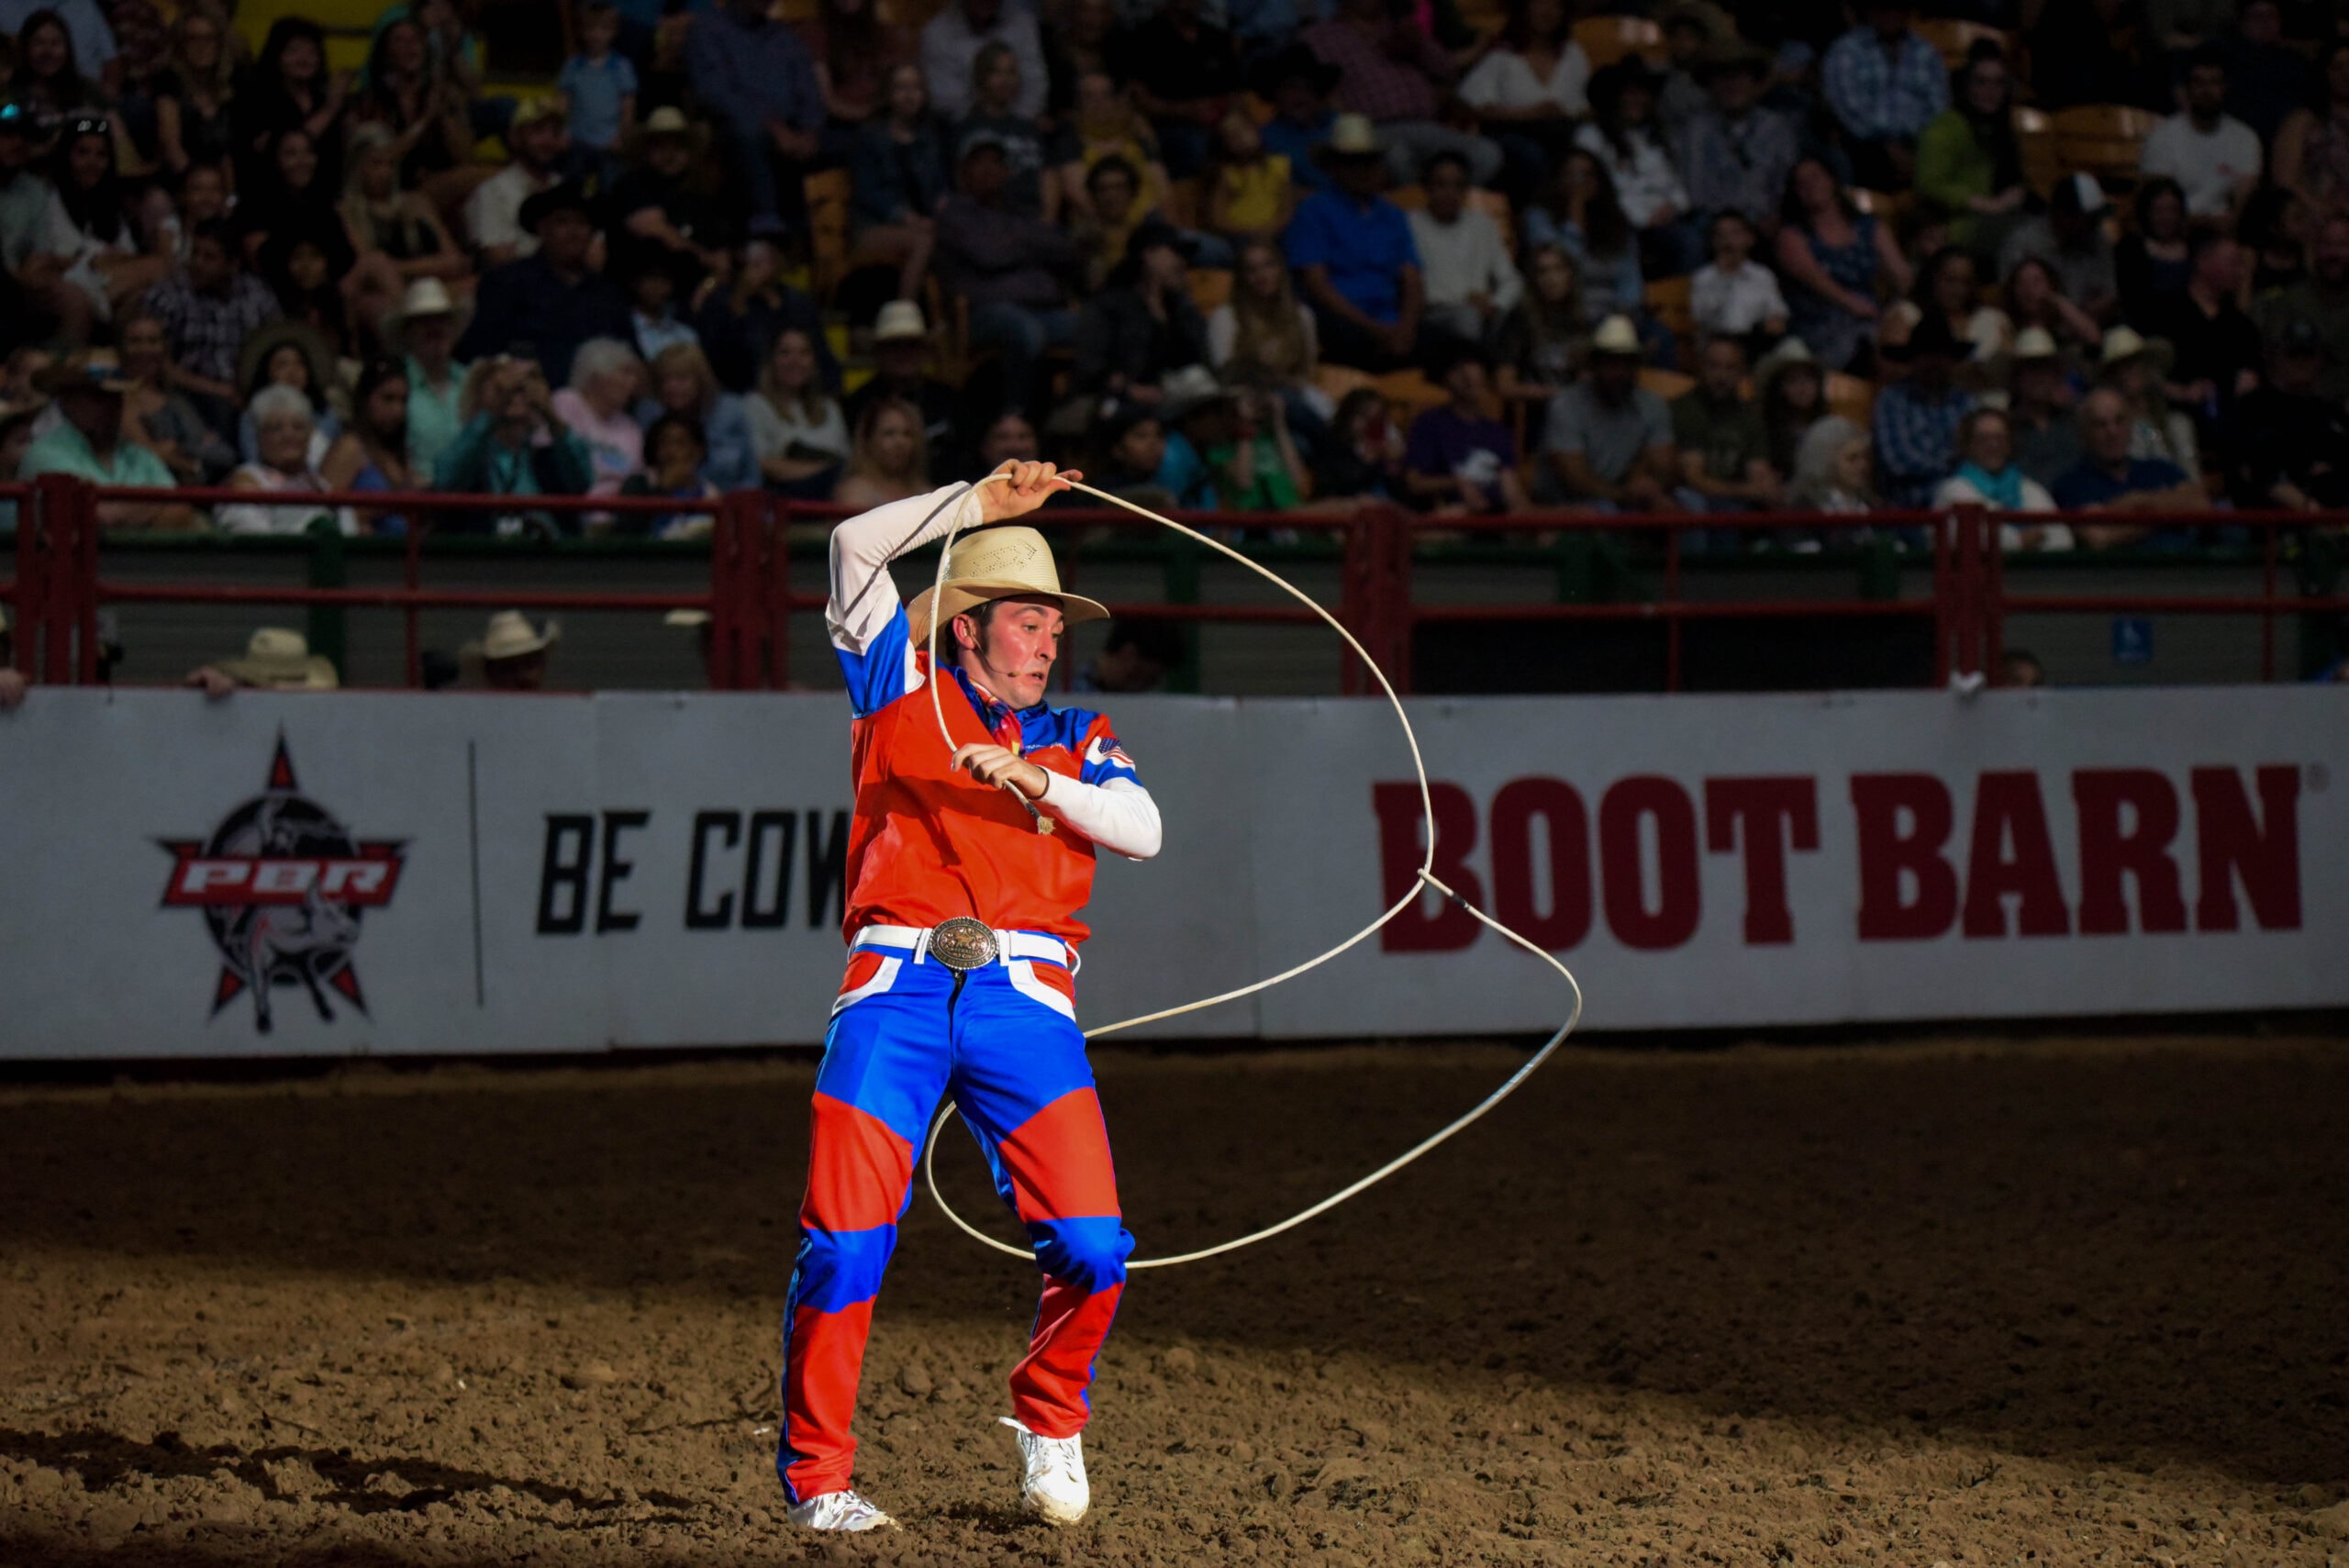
1002, 1040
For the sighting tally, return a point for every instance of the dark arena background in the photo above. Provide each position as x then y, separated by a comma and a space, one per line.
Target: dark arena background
1850, 499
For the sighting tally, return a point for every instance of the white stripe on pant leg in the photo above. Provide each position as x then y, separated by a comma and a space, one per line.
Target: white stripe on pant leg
882, 978
1024, 981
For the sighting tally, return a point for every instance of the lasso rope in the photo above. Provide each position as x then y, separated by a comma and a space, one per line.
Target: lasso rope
1425, 877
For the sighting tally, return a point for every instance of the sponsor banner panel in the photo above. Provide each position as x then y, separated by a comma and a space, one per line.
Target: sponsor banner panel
392, 872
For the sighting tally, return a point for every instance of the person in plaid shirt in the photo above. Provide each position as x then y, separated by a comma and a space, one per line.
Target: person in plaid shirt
1392, 73
1885, 85
1917, 417
208, 306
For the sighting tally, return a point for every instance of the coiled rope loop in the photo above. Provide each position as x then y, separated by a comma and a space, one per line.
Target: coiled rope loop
1426, 878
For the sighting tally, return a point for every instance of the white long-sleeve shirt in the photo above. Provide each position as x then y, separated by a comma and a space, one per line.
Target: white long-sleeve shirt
1466, 257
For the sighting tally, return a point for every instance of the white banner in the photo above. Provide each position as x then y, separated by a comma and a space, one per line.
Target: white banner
389, 872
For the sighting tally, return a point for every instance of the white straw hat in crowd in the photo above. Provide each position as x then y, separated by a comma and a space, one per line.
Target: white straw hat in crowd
2126, 343
2035, 344
999, 563
280, 658
1616, 335
1353, 136
899, 318
426, 296
1187, 390
690, 620
511, 636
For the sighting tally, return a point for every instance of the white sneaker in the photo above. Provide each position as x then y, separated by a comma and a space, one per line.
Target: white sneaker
1054, 1486
839, 1510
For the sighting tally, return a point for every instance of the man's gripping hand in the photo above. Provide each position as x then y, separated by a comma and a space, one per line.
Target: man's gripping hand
1031, 485
992, 765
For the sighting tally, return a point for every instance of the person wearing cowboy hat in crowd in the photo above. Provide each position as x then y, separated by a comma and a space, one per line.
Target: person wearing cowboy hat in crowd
1735, 153
1607, 441
2291, 444
88, 442
1917, 417
1009, 265
1352, 249
2138, 368
901, 349
277, 658
1399, 79
2039, 406
656, 210
553, 299
969, 860
539, 138
511, 655
424, 331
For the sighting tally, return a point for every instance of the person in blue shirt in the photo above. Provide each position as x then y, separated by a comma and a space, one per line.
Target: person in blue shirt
1354, 255
1298, 84
2107, 479
1917, 417
598, 88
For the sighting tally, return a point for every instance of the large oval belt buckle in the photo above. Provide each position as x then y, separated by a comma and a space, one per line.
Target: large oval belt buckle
962, 943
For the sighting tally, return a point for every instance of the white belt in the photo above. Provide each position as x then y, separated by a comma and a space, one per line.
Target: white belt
1008, 945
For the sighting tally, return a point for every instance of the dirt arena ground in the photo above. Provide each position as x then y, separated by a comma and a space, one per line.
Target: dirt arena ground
1958, 1303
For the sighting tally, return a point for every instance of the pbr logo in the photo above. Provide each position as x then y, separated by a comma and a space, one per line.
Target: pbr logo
283, 886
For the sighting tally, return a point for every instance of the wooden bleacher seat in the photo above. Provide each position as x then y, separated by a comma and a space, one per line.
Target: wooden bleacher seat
1954, 39
1668, 302
2103, 139
1410, 393
1607, 40
2043, 160
1337, 381
1211, 287
1851, 396
1667, 384
1184, 204
827, 197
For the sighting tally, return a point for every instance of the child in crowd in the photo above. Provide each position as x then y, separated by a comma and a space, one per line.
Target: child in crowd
1249, 195
674, 452
1257, 467
1133, 448
1733, 296
1459, 458
653, 308
598, 91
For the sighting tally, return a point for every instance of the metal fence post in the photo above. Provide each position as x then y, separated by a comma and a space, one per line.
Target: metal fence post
32, 586
66, 506
777, 606
330, 568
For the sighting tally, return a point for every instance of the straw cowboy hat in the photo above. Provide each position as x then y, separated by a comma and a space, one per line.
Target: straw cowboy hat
511, 636
2036, 343
1616, 335
668, 120
84, 369
999, 563
899, 319
1353, 136
1186, 391
2124, 343
279, 659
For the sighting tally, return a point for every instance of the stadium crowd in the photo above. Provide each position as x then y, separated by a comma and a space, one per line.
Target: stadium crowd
1238, 254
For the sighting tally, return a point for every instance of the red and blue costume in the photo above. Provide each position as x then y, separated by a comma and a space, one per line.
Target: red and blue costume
930, 844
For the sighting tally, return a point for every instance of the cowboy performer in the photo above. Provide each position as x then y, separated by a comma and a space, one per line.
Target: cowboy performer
966, 871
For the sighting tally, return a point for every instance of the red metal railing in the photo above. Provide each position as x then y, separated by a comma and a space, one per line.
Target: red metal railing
59, 583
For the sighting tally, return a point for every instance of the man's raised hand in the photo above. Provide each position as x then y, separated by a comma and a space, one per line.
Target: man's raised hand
1029, 486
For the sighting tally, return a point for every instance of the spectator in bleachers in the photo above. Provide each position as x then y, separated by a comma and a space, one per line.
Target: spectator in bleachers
1608, 440
290, 88
2069, 236
195, 96
397, 234
2218, 347
1143, 324
799, 434
2322, 300
1831, 468
1132, 447
1885, 84
1792, 391
598, 407
2274, 229
1183, 72
1137, 656
512, 445
886, 463
653, 283
1103, 125
1082, 36
87, 239
1735, 153
2100, 54
676, 467
737, 320
1969, 161
87, 441
1834, 256
1253, 456
1007, 266
900, 173
539, 140
424, 333
277, 658
285, 436
512, 653
2215, 158
1249, 193
1529, 90
2039, 408
1395, 76
553, 299
597, 87
1263, 335
951, 42
1458, 457
2154, 259
1112, 212
682, 382
856, 54
1033, 188
2267, 79
2107, 479
1541, 344
1353, 249
758, 80
1298, 84
1583, 216
1194, 411
25, 192
13, 684
209, 306
1733, 296
1623, 135
1946, 288
656, 208
1988, 475
85, 26
372, 454
1724, 449
1465, 265
900, 352
422, 111
2291, 444
160, 419
1691, 30
1363, 458
2033, 298
1010, 439
2138, 368
1917, 417
287, 353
